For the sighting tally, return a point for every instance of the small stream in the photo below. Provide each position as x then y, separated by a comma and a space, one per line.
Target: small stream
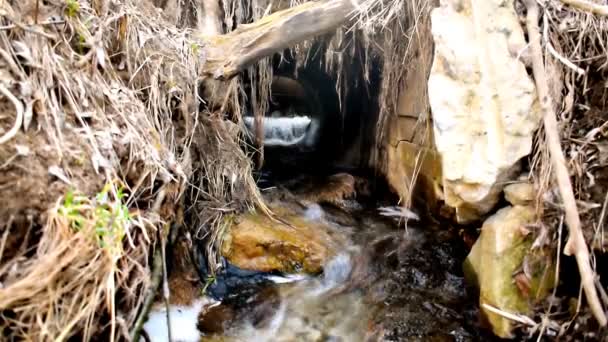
385, 283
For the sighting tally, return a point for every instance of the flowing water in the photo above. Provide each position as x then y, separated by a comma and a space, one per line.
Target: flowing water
386, 282
286, 131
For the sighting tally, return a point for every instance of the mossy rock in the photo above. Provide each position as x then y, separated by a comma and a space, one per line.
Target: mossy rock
257, 242
498, 255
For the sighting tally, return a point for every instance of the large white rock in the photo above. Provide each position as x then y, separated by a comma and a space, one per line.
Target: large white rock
483, 102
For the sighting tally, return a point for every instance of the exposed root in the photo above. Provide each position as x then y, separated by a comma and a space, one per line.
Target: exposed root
166, 290
576, 244
157, 276
19, 116
525, 320
588, 6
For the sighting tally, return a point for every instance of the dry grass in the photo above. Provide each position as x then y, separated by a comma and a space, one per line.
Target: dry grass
109, 96
90, 249
576, 57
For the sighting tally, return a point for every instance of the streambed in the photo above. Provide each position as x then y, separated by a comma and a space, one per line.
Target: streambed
387, 281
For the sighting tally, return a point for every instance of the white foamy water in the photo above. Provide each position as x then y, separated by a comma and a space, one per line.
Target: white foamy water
289, 278
308, 301
335, 273
398, 212
286, 131
184, 321
313, 212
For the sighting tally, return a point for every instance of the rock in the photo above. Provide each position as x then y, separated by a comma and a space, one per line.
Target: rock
484, 103
407, 150
215, 319
520, 193
287, 244
337, 189
256, 306
408, 160
491, 266
410, 151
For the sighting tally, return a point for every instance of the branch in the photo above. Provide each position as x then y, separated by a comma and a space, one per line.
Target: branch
231, 53
157, 276
587, 6
576, 242
19, 115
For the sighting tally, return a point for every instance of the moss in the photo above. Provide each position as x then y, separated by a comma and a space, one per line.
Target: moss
72, 8
496, 256
255, 241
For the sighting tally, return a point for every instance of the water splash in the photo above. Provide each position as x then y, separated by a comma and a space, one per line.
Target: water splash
314, 212
289, 278
398, 212
287, 131
337, 270
335, 273
183, 322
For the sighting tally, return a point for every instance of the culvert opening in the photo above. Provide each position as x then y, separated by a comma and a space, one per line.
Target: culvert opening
315, 123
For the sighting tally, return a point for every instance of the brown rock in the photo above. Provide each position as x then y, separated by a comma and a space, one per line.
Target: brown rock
334, 189
288, 243
214, 320
408, 149
408, 161
520, 193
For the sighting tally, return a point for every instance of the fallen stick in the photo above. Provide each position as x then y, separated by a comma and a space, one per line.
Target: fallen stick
157, 276
576, 244
19, 115
587, 6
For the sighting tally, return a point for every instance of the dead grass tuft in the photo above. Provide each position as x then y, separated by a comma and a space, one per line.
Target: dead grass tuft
89, 251
576, 57
99, 92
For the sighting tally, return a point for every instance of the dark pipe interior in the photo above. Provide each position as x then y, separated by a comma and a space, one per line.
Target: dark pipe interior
347, 135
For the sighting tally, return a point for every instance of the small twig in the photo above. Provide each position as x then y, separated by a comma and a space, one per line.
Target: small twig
587, 6
576, 242
157, 272
564, 60
600, 224
514, 317
36, 11
18, 120
603, 293
554, 53
11, 64
166, 292
42, 23
556, 279
5, 235
29, 28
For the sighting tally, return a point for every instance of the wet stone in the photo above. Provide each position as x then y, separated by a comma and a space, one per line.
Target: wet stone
287, 243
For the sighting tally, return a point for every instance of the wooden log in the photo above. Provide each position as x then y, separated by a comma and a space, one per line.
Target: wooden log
229, 54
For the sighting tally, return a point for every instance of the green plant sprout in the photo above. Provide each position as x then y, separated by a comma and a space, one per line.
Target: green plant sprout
106, 217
